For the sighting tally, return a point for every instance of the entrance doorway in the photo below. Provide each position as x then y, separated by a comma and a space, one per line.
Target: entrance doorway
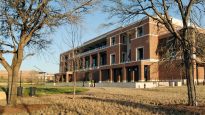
133, 74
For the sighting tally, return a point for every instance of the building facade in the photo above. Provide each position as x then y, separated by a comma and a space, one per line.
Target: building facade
125, 54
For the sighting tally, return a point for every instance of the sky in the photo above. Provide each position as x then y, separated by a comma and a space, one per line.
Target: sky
48, 60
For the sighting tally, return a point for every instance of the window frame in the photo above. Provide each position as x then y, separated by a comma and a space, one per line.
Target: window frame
143, 33
112, 58
111, 40
137, 59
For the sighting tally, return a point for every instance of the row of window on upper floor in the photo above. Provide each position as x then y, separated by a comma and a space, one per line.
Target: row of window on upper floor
139, 32
125, 38
103, 61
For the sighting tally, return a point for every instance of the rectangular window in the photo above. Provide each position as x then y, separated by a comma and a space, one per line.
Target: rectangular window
66, 58
172, 53
112, 41
140, 31
103, 58
66, 69
94, 62
140, 53
87, 62
124, 37
129, 55
123, 57
112, 58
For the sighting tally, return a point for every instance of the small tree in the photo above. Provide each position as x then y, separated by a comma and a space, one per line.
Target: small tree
24, 24
161, 11
73, 40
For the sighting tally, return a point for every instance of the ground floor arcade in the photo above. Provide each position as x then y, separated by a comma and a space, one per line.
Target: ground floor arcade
132, 72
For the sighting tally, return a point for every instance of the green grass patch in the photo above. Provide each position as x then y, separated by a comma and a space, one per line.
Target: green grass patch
40, 91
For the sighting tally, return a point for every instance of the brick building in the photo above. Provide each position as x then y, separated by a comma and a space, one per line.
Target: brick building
125, 54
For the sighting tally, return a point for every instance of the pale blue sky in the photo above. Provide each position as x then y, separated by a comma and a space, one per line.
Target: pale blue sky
49, 62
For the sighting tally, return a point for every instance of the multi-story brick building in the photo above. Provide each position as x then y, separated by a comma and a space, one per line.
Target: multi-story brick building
125, 54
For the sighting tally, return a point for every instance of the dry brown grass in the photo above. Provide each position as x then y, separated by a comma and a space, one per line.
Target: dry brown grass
113, 101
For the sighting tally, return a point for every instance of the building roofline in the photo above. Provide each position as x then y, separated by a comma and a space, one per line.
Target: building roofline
112, 31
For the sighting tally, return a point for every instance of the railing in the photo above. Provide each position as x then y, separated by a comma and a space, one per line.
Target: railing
93, 50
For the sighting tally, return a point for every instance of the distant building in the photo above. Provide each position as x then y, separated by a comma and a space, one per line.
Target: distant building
29, 76
126, 54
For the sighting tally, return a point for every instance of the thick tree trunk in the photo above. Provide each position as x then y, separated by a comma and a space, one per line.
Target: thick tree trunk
13, 77
12, 87
190, 80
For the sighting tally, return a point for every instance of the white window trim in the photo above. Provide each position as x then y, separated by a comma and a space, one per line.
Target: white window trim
111, 58
143, 32
136, 51
111, 41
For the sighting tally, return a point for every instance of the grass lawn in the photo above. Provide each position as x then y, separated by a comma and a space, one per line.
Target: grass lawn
40, 91
109, 101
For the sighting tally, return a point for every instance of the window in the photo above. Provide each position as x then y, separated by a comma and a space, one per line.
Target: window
172, 53
123, 57
81, 63
66, 69
87, 62
66, 58
129, 55
140, 31
112, 41
112, 58
124, 37
103, 58
94, 62
140, 54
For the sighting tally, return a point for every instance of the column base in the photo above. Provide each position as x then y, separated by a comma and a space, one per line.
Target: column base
111, 81
132, 81
124, 81
141, 80
100, 82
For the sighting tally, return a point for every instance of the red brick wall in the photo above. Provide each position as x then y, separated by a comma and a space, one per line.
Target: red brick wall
170, 70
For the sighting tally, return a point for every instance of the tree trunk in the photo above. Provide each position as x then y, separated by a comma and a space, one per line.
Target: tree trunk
74, 86
12, 87
8, 92
190, 79
13, 77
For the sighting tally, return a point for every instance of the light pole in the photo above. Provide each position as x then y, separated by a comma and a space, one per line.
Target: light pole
20, 89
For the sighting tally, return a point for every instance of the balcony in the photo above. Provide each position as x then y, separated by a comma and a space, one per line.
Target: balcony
93, 50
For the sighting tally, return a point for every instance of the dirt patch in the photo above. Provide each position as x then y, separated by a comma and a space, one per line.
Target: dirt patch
21, 108
2, 95
200, 109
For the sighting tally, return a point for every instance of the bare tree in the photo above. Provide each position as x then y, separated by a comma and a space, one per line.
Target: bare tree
24, 24
73, 41
162, 11
33, 77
